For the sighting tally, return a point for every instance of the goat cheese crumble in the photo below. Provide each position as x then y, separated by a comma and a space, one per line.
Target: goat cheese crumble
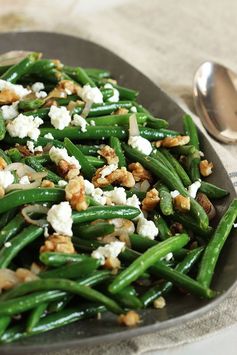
57, 154
141, 144
25, 126
7, 244
30, 145
116, 196
193, 189
111, 250
24, 180
6, 178
108, 169
10, 111
37, 86
19, 90
59, 117
174, 193
133, 109
96, 193
115, 97
147, 228
79, 121
60, 218
90, 94
49, 136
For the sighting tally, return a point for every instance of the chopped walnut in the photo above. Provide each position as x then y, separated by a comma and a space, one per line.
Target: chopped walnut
112, 264
8, 279
63, 89
159, 303
64, 169
109, 154
120, 176
206, 204
7, 97
130, 319
158, 144
47, 183
139, 172
2, 192
50, 102
182, 203
58, 243
3, 164
121, 111
205, 167
176, 227
151, 200
72, 173
23, 150
170, 142
36, 268
73, 104
25, 275
75, 193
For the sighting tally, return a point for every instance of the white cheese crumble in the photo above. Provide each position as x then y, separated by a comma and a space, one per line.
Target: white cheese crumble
37, 86
133, 109
174, 193
96, 193
147, 228
115, 97
30, 145
7, 244
79, 121
25, 126
235, 225
19, 90
201, 153
168, 257
24, 180
62, 183
57, 154
90, 94
133, 201
60, 117
111, 250
116, 196
92, 123
49, 136
6, 178
108, 169
60, 218
141, 144
193, 189
41, 94
10, 111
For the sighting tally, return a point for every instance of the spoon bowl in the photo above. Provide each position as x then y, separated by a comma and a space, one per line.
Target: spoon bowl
215, 100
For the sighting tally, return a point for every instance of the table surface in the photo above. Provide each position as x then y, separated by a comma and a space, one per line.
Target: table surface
166, 40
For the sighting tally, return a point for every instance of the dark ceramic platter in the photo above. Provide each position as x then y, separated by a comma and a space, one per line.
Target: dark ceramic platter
76, 51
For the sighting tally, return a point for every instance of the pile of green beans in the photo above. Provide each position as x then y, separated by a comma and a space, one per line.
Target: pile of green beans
73, 285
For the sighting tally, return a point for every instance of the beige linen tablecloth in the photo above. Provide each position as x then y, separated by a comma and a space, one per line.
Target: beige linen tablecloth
166, 40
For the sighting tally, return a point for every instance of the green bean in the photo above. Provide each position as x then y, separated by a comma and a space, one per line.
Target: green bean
147, 259
89, 149
14, 154
53, 321
72, 271
102, 109
35, 164
212, 191
21, 197
178, 168
125, 93
11, 228
163, 160
15, 72
4, 68
96, 162
35, 315
105, 212
215, 245
40, 112
55, 259
120, 120
6, 217
42, 65
164, 231
2, 127
30, 104
25, 237
116, 145
161, 289
99, 73
62, 285
193, 161
4, 323
140, 194
57, 306
5, 157
93, 231
127, 297
190, 224
82, 77
166, 176
166, 204
151, 121
183, 150
86, 167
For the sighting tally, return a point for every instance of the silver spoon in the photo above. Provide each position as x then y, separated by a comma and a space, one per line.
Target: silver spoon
215, 100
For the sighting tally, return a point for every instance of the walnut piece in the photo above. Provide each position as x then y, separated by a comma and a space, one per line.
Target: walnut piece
3, 164
159, 303
47, 183
121, 111
139, 172
25, 275
206, 204
66, 170
170, 142
7, 97
58, 243
109, 154
182, 203
112, 264
151, 200
130, 319
2, 192
205, 167
75, 193
119, 176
